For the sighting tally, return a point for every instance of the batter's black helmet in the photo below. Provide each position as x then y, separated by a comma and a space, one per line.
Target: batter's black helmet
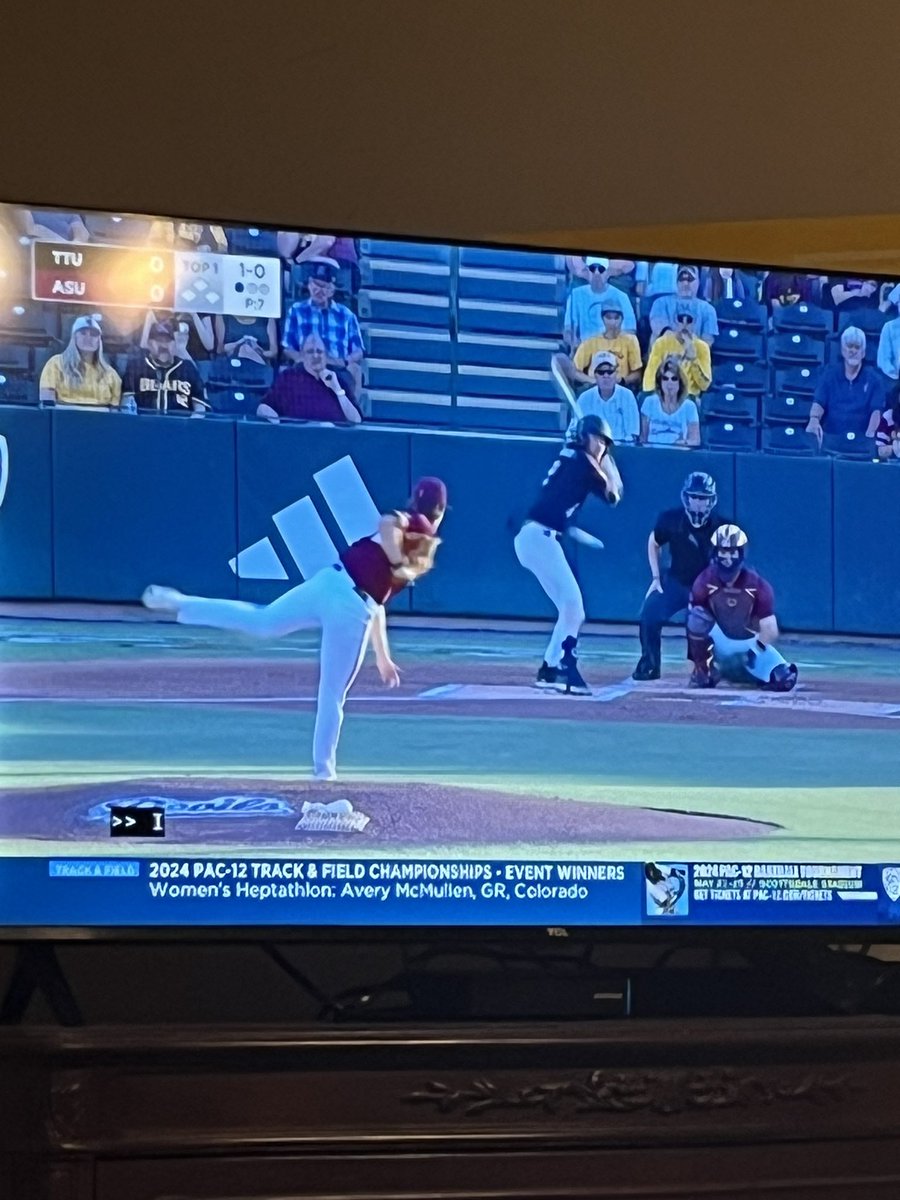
592, 425
699, 497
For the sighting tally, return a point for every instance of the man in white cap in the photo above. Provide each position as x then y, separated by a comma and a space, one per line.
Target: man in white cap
610, 400
584, 308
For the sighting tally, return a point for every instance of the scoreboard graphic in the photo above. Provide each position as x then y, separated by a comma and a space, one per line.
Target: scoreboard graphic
137, 277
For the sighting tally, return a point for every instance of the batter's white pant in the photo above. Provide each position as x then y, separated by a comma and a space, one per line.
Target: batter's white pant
726, 647
326, 601
538, 550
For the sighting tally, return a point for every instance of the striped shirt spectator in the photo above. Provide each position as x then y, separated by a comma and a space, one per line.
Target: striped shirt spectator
334, 323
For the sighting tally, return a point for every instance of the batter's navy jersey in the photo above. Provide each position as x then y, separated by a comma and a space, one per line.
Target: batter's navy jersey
571, 479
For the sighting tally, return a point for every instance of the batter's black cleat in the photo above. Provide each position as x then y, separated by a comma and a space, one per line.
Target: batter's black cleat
547, 677
646, 670
704, 679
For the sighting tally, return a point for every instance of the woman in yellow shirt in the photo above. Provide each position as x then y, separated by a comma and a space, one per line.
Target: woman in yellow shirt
81, 374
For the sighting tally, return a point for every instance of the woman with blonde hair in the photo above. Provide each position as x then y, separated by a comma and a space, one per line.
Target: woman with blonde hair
82, 374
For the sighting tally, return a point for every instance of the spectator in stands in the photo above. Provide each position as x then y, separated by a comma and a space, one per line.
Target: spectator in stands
159, 381
726, 283
335, 324
81, 374
309, 390
304, 247
621, 271
608, 399
653, 280
189, 235
851, 295
624, 346
664, 309
781, 289
849, 395
689, 351
887, 435
889, 341
585, 304
48, 226
255, 338
669, 417
194, 335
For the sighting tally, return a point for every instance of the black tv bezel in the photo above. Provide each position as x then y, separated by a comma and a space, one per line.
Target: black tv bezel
678, 934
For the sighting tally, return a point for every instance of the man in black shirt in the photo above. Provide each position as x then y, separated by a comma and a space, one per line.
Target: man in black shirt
687, 532
160, 381
583, 468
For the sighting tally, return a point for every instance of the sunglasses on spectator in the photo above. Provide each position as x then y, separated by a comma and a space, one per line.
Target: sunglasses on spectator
596, 267
90, 332
613, 314
669, 378
605, 371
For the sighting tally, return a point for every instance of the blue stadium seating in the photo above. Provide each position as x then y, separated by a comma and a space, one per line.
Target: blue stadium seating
494, 350
741, 377
117, 229
233, 402
406, 408
241, 373
730, 404
406, 375
432, 252
522, 287
741, 314
729, 435
18, 389
413, 343
263, 243
789, 439
745, 345
14, 357
794, 349
786, 409
531, 320
803, 318
28, 322
869, 320
796, 381
402, 275
404, 308
504, 413
849, 445
475, 380
511, 260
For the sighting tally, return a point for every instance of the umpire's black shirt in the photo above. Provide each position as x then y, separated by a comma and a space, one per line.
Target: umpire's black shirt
689, 547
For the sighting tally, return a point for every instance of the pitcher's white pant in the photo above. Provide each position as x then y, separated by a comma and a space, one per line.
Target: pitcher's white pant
726, 647
538, 549
328, 601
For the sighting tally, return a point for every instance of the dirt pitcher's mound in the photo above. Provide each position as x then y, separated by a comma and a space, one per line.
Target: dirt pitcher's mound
349, 816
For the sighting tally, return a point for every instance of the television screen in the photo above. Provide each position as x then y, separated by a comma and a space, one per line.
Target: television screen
360, 581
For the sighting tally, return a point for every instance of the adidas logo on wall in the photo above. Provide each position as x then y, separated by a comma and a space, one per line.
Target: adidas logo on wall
303, 530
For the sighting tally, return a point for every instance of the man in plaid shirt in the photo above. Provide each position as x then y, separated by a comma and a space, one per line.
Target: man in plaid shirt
334, 323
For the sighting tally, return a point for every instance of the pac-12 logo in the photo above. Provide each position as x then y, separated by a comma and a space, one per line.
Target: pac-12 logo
4, 467
890, 878
303, 530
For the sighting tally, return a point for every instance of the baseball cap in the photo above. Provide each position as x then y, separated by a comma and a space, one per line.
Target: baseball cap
593, 262
603, 356
612, 304
323, 268
161, 329
92, 322
429, 494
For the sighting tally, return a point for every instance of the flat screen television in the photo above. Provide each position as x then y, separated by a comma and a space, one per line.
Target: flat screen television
631, 522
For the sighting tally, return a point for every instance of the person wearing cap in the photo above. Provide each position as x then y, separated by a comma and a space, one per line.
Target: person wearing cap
609, 400
624, 346
583, 318
309, 391
663, 309
81, 374
345, 600
161, 382
335, 324
686, 348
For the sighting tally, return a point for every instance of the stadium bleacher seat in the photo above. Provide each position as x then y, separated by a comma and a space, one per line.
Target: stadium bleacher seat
243, 240
796, 381
116, 229
788, 439
407, 408
403, 275
241, 373
14, 357
740, 377
730, 404
430, 252
414, 343
479, 380
407, 375
869, 320
506, 414
741, 314
495, 350
786, 409
529, 320
795, 349
803, 318
849, 445
233, 402
18, 389
520, 287
28, 323
729, 435
511, 260
746, 345
403, 308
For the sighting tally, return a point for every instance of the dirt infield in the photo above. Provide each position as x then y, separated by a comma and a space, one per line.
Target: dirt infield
266, 812
288, 683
